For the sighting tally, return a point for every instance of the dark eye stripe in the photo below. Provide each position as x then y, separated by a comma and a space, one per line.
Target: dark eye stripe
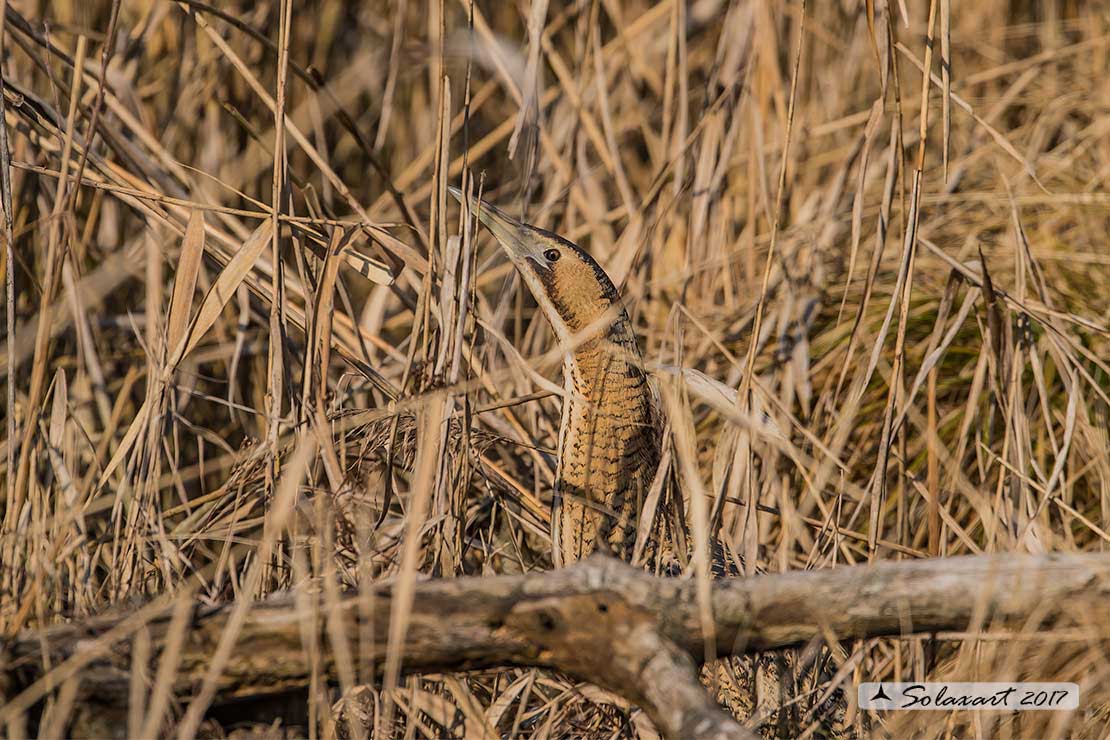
551, 255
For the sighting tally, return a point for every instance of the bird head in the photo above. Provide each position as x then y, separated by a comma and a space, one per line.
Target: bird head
571, 289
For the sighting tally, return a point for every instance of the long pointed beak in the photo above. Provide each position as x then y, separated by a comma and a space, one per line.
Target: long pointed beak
510, 233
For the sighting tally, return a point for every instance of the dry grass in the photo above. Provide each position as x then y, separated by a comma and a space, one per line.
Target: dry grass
930, 282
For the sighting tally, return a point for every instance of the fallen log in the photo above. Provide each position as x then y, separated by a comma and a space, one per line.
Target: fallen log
601, 621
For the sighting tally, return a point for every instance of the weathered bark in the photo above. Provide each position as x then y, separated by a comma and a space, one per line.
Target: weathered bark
600, 620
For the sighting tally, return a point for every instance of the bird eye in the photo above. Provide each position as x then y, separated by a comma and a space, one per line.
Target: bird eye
551, 255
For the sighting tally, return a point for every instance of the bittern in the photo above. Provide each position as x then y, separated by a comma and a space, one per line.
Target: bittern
608, 438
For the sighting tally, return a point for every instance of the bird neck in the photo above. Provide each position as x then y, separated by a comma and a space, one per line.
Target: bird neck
609, 445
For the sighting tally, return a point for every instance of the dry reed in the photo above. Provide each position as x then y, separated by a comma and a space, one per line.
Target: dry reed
233, 337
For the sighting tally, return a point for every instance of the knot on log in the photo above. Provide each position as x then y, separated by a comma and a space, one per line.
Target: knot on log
578, 633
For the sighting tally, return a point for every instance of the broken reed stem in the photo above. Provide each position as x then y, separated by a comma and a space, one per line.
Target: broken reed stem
9, 277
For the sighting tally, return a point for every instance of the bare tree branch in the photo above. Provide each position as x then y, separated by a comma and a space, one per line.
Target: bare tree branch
600, 620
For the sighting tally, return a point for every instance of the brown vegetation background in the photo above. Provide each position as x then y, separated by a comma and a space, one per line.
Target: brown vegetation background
916, 276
